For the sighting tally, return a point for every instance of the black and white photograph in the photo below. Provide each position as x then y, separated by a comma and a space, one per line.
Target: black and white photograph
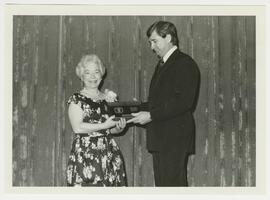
134, 98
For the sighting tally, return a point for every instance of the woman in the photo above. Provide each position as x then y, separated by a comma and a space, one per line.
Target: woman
95, 158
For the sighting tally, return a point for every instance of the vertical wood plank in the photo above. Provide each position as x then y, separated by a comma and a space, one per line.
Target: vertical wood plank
244, 130
224, 101
203, 46
250, 98
138, 140
59, 154
45, 104
235, 116
32, 99
19, 138
236, 106
241, 59
200, 50
212, 92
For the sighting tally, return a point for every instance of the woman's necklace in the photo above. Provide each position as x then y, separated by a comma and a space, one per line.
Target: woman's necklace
90, 94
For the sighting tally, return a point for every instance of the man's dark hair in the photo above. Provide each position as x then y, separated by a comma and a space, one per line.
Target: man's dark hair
163, 28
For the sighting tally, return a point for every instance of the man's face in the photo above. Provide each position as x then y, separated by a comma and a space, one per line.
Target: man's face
159, 44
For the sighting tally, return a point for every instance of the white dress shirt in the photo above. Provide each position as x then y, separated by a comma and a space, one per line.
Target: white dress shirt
169, 53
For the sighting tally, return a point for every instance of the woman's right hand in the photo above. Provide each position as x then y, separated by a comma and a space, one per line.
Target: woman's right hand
109, 123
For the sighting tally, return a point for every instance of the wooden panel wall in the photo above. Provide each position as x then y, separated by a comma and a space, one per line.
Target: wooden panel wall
46, 50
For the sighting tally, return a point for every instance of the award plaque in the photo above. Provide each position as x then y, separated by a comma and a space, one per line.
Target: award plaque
124, 109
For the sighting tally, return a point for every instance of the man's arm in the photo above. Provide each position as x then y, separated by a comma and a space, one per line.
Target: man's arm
142, 117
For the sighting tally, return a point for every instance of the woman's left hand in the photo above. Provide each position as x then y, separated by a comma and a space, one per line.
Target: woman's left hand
121, 124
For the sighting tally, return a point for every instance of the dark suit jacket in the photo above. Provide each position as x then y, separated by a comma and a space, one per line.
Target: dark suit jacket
172, 95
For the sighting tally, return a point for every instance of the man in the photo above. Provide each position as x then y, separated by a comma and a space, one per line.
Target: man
172, 97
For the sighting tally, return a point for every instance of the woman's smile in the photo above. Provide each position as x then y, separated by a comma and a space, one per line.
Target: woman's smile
93, 81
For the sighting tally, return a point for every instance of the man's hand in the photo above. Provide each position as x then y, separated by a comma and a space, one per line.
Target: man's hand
140, 118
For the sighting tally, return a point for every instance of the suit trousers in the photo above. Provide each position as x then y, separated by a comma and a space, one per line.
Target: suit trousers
170, 168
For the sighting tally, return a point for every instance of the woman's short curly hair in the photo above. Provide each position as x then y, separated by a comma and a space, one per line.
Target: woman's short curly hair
90, 58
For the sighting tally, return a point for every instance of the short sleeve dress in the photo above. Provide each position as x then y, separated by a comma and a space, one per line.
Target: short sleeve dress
95, 158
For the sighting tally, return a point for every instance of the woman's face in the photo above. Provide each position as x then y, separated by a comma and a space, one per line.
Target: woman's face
92, 75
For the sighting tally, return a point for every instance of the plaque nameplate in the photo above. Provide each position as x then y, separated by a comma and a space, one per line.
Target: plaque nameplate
124, 109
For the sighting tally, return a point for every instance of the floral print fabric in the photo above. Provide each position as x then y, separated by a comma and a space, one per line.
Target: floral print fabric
95, 158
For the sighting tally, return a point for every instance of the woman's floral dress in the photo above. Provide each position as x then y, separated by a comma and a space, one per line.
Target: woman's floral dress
95, 158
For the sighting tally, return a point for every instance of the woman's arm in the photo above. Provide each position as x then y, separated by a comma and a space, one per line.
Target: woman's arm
75, 114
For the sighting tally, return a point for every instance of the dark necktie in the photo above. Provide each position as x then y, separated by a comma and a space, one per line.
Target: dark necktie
159, 65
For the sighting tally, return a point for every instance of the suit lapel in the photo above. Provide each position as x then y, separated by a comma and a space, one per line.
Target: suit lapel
156, 77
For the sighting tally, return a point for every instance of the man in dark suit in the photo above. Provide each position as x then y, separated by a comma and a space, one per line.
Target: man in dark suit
172, 97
